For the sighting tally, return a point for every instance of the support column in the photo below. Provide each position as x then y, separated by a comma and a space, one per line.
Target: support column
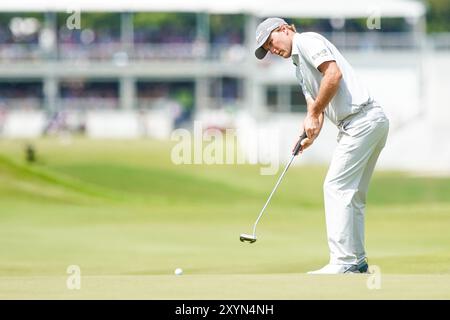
203, 34
48, 36
201, 94
251, 22
127, 93
253, 96
252, 89
50, 94
284, 98
203, 26
421, 36
127, 31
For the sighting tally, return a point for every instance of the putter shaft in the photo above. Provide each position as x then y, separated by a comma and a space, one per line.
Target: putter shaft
271, 194
297, 149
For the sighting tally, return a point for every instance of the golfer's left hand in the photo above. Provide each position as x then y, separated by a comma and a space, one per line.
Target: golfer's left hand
306, 143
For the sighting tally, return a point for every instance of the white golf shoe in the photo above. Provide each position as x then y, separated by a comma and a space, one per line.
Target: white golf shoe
342, 268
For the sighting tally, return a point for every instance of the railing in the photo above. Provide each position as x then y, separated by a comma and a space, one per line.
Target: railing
84, 104
19, 51
21, 104
440, 41
173, 107
364, 41
119, 53
99, 51
169, 51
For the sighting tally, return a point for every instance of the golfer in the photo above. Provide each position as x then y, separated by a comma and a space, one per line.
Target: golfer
331, 88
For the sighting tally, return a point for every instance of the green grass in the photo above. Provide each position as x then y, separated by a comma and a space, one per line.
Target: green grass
231, 287
121, 209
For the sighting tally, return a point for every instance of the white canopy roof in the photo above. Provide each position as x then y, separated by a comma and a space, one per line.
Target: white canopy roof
261, 8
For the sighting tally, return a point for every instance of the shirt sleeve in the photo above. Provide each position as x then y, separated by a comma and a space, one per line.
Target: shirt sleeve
307, 94
315, 51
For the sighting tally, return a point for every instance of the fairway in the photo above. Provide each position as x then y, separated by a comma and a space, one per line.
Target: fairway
128, 217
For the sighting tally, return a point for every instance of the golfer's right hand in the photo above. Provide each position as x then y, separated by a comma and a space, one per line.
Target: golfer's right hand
312, 126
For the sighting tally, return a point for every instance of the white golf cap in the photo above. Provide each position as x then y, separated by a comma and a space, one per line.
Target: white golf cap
263, 32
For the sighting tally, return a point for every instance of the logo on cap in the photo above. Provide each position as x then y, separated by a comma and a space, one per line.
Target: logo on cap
259, 36
272, 27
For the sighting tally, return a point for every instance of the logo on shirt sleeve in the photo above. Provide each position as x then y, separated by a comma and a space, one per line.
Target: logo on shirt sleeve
322, 53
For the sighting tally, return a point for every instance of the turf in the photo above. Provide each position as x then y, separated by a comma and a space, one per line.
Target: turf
232, 287
121, 210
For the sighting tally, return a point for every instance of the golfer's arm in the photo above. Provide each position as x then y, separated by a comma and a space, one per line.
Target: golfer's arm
328, 87
309, 105
321, 118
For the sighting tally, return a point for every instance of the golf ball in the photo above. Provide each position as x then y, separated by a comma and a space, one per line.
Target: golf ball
178, 271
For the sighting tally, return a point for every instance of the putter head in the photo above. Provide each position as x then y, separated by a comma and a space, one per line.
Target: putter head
247, 238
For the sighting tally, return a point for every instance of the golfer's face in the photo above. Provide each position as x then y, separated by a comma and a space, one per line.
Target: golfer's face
279, 43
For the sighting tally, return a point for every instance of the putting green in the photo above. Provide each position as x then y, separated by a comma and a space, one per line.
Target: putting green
127, 216
229, 287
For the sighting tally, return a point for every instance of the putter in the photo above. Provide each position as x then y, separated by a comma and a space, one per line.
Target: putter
252, 237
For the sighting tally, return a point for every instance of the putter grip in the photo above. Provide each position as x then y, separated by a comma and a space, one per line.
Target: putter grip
298, 146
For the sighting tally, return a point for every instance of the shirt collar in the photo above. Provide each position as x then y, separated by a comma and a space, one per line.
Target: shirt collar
295, 52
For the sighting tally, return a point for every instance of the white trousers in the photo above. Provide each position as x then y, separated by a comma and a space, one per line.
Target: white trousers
360, 140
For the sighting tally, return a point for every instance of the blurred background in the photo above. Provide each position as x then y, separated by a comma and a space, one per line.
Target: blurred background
109, 69
91, 93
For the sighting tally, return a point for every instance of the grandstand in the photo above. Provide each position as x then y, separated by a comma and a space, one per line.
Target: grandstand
142, 69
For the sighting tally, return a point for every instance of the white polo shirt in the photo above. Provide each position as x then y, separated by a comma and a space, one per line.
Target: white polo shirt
310, 50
